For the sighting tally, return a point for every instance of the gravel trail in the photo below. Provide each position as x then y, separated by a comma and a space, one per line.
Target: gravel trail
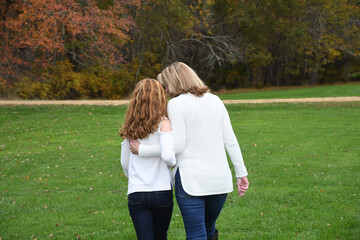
124, 102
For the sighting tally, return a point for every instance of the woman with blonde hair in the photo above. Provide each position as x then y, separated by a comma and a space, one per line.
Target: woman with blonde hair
150, 199
202, 132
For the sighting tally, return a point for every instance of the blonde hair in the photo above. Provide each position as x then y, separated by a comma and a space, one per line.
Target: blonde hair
147, 107
180, 78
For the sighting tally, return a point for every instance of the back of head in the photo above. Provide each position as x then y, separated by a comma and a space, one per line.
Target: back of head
180, 78
146, 108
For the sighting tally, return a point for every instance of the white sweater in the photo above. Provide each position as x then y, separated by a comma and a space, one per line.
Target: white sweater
153, 173
202, 131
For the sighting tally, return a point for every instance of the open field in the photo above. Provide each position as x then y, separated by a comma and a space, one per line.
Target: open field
61, 177
339, 90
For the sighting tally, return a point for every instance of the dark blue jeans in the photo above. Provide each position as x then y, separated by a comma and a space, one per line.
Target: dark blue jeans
199, 212
151, 213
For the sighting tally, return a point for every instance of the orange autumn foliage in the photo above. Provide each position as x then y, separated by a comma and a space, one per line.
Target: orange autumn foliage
36, 33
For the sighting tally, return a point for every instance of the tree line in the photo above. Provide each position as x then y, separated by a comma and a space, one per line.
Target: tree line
71, 49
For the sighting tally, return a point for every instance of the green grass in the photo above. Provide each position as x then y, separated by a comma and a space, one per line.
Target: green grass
297, 92
61, 176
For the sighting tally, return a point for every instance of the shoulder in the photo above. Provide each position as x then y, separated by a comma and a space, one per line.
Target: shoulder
212, 96
125, 142
213, 99
165, 125
216, 102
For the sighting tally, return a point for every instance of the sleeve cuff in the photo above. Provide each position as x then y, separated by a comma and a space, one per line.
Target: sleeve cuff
141, 151
241, 172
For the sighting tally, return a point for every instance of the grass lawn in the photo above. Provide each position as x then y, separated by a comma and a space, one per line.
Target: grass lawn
344, 90
61, 176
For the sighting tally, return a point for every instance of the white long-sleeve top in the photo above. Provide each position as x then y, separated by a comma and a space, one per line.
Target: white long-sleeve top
202, 131
148, 174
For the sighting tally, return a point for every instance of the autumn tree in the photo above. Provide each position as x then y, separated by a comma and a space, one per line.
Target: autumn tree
292, 42
100, 48
246, 43
333, 32
37, 33
185, 31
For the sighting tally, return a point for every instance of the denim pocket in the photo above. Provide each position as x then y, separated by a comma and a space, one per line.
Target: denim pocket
164, 198
135, 198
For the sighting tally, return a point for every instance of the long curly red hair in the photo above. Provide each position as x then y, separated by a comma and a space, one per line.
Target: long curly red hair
146, 109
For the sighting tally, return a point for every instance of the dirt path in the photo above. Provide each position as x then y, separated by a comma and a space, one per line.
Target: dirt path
124, 102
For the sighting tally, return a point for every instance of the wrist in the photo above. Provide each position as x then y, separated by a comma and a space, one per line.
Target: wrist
139, 150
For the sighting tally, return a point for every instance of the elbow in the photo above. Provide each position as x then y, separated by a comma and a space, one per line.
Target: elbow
179, 148
169, 159
126, 172
231, 145
125, 168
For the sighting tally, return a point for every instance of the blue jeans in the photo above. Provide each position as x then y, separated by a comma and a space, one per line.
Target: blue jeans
151, 213
199, 212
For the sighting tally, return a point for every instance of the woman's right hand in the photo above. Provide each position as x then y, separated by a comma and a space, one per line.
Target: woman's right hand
134, 146
243, 185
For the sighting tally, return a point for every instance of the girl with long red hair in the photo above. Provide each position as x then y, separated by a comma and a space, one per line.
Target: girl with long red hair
150, 198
